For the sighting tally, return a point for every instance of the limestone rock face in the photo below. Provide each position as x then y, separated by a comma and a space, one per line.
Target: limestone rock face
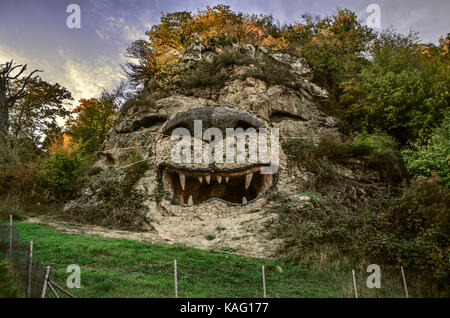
225, 200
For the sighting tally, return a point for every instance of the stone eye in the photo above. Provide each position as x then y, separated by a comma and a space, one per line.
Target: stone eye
149, 122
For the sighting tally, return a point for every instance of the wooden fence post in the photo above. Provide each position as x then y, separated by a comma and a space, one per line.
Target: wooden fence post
44, 285
354, 283
52, 283
264, 281
10, 238
52, 289
30, 269
176, 277
404, 282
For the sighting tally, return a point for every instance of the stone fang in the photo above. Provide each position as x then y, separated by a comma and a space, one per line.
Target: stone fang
248, 180
183, 180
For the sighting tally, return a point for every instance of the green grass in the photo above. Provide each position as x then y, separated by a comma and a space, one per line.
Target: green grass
8, 287
125, 268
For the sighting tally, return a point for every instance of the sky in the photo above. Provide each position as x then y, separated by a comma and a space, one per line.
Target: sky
88, 59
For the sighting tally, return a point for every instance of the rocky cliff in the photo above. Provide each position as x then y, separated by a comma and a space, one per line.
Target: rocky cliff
224, 203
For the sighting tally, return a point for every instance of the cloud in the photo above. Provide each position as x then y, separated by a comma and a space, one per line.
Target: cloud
82, 77
118, 28
8, 54
86, 79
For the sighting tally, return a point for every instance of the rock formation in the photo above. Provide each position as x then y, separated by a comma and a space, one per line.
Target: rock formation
219, 204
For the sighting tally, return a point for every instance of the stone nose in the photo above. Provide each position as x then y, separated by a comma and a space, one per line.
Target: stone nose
212, 117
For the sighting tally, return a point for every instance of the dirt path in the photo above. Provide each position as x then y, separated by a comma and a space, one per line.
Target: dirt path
93, 230
227, 232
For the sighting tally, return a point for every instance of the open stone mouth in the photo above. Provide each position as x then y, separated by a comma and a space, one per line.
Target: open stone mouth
196, 186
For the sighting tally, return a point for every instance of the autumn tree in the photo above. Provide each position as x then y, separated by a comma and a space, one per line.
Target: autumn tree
219, 25
94, 117
60, 170
334, 45
42, 105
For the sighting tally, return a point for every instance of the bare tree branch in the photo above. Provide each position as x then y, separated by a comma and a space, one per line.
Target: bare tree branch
7, 97
20, 93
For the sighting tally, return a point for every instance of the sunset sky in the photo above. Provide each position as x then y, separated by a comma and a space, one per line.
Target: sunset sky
88, 59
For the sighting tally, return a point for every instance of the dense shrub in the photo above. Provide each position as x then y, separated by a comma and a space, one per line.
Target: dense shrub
381, 154
433, 156
118, 205
214, 74
274, 72
60, 171
377, 150
24, 179
11, 204
7, 162
306, 228
331, 145
309, 156
366, 144
206, 74
414, 230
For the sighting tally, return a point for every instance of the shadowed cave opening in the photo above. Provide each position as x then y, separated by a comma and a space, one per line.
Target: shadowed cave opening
194, 187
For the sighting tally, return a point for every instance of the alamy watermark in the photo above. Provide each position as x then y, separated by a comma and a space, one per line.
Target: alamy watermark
241, 146
74, 19
374, 279
74, 279
374, 19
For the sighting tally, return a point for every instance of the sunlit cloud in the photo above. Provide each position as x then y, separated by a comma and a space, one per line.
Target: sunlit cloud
119, 29
88, 79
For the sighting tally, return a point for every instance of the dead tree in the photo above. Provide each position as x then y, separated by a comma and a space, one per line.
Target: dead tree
9, 96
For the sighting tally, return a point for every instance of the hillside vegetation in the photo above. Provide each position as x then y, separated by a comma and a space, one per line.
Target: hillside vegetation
124, 268
389, 89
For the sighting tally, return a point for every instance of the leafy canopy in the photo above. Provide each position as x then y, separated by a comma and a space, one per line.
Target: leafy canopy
94, 117
39, 109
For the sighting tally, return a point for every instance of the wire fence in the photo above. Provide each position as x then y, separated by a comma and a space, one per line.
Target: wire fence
30, 274
163, 278
36, 280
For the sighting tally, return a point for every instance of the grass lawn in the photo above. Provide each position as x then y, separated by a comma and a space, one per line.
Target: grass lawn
8, 287
124, 268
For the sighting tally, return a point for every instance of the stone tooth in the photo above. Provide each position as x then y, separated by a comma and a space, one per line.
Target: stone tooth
166, 183
248, 180
208, 178
183, 180
200, 179
219, 179
226, 179
190, 200
244, 200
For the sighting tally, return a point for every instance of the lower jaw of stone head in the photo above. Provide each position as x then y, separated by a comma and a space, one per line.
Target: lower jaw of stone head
236, 187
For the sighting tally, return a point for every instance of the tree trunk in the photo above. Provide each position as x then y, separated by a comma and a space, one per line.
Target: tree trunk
4, 111
7, 98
